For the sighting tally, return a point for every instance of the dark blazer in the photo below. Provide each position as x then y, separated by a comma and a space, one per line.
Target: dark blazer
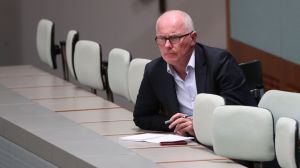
216, 73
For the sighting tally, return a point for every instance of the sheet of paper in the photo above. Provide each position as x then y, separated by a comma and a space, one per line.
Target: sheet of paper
156, 138
141, 137
168, 138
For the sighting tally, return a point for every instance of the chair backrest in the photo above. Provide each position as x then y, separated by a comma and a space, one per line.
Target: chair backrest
87, 64
286, 137
204, 106
282, 104
254, 78
118, 65
243, 132
46, 48
135, 76
72, 38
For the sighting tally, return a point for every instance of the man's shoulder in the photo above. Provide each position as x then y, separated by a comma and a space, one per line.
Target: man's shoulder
156, 68
214, 57
214, 54
212, 51
156, 63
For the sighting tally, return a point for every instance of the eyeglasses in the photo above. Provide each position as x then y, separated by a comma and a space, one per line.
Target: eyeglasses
160, 40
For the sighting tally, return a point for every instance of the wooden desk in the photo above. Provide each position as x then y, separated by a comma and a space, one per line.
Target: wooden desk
203, 164
101, 117
32, 81
140, 145
76, 103
21, 70
114, 128
164, 155
69, 91
62, 141
178, 154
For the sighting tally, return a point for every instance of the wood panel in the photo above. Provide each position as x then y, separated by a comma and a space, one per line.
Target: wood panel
277, 72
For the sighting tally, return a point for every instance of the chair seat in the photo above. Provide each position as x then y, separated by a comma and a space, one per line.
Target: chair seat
204, 107
135, 76
243, 132
118, 65
87, 64
45, 42
286, 142
282, 104
72, 38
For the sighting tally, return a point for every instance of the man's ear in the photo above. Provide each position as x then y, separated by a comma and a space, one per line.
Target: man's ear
194, 36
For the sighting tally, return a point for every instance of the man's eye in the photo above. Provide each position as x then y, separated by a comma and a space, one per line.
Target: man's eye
174, 38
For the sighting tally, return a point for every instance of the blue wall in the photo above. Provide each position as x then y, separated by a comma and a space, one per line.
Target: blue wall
270, 25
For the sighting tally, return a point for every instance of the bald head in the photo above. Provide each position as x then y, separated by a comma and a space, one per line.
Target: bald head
176, 39
176, 19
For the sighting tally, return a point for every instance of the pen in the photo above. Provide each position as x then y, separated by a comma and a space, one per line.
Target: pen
185, 116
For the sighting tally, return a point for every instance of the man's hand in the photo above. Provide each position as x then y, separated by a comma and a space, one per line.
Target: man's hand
183, 125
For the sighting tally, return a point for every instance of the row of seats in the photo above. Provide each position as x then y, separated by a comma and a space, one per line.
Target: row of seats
88, 52
238, 132
125, 75
82, 59
257, 134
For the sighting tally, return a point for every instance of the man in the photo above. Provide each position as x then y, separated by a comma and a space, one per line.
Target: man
186, 68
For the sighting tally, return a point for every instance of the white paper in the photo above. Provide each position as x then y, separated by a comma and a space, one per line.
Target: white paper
141, 137
156, 138
168, 138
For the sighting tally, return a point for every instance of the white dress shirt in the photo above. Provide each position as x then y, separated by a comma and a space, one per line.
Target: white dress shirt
186, 89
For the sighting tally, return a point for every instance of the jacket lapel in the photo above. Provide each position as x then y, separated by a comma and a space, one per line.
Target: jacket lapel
200, 68
168, 87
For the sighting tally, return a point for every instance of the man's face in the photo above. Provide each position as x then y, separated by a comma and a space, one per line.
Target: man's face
174, 42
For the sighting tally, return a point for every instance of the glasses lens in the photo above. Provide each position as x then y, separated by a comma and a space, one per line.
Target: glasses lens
174, 39
160, 40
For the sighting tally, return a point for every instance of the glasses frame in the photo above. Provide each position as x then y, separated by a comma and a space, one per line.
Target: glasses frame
171, 38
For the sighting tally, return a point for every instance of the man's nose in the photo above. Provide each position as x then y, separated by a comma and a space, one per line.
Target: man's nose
168, 43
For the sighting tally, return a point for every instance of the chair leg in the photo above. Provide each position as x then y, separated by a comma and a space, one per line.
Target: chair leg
63, 60
94, 91
107, 88
258, 165
104, 76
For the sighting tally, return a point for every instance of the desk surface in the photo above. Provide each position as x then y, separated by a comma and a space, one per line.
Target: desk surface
62, 141
203, 164
20, 70
68, 91
85, 125
76, 103
32, 81
99, 115
139, 145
